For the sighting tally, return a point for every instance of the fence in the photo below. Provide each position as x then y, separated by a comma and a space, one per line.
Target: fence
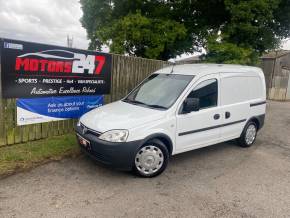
126, 73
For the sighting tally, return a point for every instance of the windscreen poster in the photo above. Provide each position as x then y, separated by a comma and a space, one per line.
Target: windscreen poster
32, 70
40, 110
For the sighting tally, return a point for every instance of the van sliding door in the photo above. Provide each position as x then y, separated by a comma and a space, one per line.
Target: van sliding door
234, 104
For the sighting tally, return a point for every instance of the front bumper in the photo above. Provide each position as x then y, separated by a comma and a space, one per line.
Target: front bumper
119, 155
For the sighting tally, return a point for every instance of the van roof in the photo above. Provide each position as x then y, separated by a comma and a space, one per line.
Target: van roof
204, 69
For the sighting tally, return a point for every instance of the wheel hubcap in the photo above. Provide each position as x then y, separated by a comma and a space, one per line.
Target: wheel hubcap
149, 159
250, 134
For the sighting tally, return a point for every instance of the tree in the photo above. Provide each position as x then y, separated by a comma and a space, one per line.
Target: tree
138, 35
254, 27
231, 31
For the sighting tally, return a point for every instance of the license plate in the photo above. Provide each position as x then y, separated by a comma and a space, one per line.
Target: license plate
85, 143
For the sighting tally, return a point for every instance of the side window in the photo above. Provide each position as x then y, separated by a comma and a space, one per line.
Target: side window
206, 92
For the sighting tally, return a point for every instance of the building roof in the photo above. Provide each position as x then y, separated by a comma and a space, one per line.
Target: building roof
189, 60
204, 69
275, 54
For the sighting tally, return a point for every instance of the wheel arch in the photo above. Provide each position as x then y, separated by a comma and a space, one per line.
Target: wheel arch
163, 138
258, 120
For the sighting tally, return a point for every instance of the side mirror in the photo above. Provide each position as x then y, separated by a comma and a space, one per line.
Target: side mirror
190, 104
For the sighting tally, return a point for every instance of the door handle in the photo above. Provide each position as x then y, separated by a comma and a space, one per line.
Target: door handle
216, 116
227, 115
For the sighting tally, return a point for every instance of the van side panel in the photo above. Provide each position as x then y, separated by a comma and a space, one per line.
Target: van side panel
255, 88
243, 97
233, 89
235, 104
258, 105
240, 88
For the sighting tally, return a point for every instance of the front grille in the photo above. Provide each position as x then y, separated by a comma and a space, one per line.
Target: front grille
86, 130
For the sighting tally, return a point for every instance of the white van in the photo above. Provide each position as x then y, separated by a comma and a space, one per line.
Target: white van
174, 110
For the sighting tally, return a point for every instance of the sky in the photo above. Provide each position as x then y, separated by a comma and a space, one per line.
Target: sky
48, 21
45, 21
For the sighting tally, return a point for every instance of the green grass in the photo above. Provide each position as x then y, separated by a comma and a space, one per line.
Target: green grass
24, 156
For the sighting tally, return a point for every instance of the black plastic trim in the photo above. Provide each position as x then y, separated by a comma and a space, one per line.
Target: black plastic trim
257, 103
160, 135
119, 155
261, 120
211, 127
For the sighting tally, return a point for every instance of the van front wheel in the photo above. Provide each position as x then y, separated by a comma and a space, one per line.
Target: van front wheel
249, 135
151, 159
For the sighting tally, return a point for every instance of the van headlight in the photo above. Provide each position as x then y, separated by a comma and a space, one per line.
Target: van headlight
116, 135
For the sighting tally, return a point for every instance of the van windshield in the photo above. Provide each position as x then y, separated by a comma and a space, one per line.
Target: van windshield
159, 90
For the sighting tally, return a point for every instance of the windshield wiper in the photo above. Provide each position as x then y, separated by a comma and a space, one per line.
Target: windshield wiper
133, 101
157, 106
142, 103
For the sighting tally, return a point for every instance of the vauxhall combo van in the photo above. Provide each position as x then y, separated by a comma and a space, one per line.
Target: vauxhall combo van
174, 110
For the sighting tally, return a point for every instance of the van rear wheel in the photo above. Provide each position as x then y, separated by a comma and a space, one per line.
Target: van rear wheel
151, 159
249, 135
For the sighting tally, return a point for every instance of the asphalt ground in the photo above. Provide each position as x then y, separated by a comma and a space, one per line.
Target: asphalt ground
223, 180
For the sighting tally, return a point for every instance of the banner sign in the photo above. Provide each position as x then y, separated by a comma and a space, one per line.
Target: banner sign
39, 110
38, 70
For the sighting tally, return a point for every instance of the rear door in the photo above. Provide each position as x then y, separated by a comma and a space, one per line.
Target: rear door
200, 128
234, 104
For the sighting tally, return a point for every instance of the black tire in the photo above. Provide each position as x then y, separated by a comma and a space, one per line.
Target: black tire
242, 141
161, 147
